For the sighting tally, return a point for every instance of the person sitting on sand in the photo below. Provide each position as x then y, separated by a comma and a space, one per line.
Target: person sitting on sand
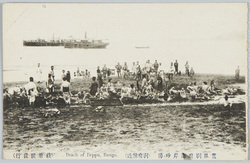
172, 94
226, 103
161, 74
183, 93
31, 91
14, 90
152, 75
65, 88
110, 86
151, 82
93, 87
124, 91
211, 88
159, 85
193, 94
6, 97
205, 88
87, 96
131, 91
112, 92
190, 87
109, 83
103, 92
196, 87
149, 90
192, 90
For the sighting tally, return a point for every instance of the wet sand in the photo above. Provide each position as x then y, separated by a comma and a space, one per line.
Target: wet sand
203, 129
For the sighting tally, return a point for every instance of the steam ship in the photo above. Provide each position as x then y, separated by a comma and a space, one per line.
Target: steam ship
42, 42
86, 44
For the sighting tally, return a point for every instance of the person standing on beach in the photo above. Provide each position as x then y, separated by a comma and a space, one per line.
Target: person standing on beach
191, 72
39, 73
159, 84
65, 88
52, 73
118, 69
93, 87
148, 66
138, 72
171, 72
176, 67
108, 73
125, 70
143, 83
68, 76
99, 77
63, 74
50, 84
187, 68
134, 70
98, 71
237, 73
31, 91
104, 71
156, 66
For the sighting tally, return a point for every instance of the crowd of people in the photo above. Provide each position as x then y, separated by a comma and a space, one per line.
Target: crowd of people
148, 83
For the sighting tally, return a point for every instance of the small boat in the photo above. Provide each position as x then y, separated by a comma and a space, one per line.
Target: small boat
142, 47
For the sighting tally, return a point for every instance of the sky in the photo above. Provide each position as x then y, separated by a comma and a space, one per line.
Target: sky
212, 36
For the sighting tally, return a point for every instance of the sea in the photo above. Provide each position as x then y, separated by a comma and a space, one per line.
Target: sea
21, 63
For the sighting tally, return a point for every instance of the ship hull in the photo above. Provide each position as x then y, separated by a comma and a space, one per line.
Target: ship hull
31, 43
86, 45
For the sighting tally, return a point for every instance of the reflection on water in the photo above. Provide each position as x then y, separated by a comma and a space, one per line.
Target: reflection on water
133, 128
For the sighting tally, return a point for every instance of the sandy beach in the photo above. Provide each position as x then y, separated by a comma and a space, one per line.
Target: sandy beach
150, 128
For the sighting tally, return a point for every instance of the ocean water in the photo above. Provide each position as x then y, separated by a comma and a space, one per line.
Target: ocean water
24, 65
20, 63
